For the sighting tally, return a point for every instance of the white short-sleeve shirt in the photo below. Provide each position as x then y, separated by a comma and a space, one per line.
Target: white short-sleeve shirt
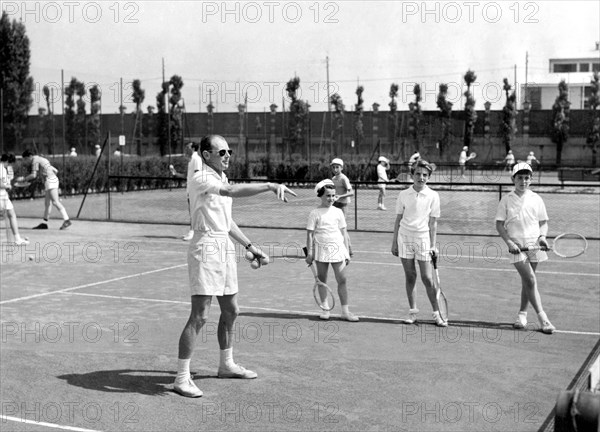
210, 211
416, 208
194, 165
382, 174
522, 214
342, 186
327, 223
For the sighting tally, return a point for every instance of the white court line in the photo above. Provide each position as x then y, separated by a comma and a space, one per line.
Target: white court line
52, 425
90, 284
297, 312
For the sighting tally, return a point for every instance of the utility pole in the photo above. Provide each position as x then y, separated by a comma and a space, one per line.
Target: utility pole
329, 108
525, 97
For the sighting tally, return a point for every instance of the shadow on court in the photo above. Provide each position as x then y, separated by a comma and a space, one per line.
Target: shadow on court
97, 326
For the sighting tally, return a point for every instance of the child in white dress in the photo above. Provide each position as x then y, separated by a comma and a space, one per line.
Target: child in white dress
327, 243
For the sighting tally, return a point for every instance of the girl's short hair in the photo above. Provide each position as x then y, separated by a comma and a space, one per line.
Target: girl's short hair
321, 191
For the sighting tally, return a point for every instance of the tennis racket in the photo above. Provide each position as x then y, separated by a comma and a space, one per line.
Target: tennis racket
322, 293
441, 297
473, 155
565, 245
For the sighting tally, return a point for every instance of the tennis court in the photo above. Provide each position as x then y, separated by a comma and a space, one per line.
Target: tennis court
90, 327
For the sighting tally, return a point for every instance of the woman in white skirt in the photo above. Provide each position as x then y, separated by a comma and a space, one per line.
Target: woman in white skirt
327, 243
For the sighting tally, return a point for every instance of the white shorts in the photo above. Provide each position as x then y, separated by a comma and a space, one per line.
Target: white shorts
212, 265
330, 252
51, 183
531, 256
411, 246
5, 203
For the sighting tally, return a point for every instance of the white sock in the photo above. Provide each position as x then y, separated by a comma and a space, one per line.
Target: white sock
523, 316
227, 357
63, 213
326, 305
345, 310
542, 317
183, 370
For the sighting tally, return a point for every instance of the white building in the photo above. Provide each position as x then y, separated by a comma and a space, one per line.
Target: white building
577, 71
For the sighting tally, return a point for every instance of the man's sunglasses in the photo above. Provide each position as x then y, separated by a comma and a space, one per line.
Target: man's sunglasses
222, 152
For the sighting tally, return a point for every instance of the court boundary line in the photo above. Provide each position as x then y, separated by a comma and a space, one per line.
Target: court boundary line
459, 323
52, 425
90, 284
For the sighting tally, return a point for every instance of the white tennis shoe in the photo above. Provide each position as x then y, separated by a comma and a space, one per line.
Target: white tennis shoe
236, 371
187, 388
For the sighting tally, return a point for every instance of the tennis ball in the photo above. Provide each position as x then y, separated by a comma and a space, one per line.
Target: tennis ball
249, 256
255, 264
264, 260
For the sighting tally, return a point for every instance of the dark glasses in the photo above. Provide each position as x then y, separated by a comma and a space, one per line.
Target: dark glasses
223, 152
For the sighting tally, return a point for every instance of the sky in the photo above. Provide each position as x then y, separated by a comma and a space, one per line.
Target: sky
230, 51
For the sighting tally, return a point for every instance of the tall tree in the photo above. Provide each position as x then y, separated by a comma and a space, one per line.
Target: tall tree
15, 83
358, 115
470, 113
48, 121
138, 97
393, 128
162, 125
93, 124
297, 120
560, 119
445, 107
339, 108
415, 115
593, 138
176, 112
72, 131
509, 115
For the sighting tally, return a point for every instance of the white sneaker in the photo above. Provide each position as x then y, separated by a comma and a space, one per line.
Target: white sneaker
188, 236
521, 322
22, 242
350, 317
383, 208
187, 388
412, 316
324, 315
547, 327
236, 371
439, 321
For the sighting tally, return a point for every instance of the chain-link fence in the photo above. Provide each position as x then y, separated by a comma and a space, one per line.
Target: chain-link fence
467, 209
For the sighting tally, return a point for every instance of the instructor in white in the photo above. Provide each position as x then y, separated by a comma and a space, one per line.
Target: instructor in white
212, 261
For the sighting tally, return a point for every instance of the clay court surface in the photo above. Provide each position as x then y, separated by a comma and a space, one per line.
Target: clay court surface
90, 326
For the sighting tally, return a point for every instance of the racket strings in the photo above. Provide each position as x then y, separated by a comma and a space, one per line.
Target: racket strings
570, 245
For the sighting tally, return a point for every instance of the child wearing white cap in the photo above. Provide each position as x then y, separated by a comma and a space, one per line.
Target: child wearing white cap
522, 220
327, 243
343, 188
382, 179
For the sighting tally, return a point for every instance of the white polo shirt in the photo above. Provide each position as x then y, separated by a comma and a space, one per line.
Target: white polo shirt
416, 208
382, 174
522, 215
194, 165
210, 211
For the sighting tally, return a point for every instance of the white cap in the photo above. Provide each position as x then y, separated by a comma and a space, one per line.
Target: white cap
383, 159
337, 161
521, 166
323, 183
465, 148
531, 153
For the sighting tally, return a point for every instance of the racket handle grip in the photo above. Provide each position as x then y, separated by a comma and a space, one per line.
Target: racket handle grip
534, 248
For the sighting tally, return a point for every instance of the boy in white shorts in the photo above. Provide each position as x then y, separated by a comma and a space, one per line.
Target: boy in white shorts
415, 230
382, 179
42, 166
522, 220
